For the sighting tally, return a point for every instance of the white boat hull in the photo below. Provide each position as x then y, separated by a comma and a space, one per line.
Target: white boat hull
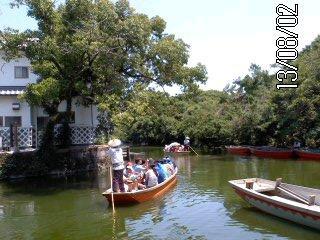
283, 209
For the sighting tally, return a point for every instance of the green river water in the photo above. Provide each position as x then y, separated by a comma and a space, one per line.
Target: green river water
201, 206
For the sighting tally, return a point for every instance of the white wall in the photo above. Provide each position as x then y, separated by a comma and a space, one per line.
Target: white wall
7, 72
6, 109
82, 114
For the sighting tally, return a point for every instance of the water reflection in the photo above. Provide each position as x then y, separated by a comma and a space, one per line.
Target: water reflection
201, 206
255, 220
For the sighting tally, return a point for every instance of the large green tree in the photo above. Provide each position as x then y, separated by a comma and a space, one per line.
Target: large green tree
96, 52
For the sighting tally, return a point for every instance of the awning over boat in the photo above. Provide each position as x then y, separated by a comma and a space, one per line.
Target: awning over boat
11, 90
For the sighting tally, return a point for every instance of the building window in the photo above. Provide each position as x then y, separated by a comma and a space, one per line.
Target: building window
12, 121
1, 121
42, 122
21, 72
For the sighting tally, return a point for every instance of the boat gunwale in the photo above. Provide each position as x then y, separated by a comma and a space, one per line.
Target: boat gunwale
306, 151
239, 146
279, 150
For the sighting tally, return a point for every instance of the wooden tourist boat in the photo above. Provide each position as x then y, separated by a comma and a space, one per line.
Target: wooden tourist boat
239, 150
307, 154
142, 195
271, 152
291, 202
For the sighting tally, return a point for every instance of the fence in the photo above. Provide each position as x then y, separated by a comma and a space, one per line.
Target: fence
29, 137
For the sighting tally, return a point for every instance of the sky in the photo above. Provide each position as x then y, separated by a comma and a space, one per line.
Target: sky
226, 36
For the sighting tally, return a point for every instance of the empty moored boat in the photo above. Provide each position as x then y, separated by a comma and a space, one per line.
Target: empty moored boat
272, 152
307, 154
291, 202
239, 150
142, 195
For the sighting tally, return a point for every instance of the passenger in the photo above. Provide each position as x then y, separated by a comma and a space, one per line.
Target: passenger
169, 164
132, 179
151, 178
169, 168
138, 167
115, 153
162, 172
129, 173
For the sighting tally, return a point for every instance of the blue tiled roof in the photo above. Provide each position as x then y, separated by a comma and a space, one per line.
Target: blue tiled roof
11, 90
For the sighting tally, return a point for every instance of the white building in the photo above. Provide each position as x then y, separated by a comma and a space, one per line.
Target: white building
14, 77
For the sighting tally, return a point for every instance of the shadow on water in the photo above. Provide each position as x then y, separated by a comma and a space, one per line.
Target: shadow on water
49, 184
255, 220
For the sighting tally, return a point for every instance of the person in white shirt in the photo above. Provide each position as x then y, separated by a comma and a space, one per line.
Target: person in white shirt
296, 144
115, 153
151, 175
186, 144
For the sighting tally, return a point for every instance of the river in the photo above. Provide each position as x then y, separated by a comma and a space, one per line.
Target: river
201, 206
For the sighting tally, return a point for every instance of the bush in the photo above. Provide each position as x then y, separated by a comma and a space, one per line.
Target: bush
22, 164
30, 164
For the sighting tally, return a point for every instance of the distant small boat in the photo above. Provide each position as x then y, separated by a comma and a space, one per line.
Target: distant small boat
142, 195
307, 154
239, 150
272, 152
174, 148
291, 202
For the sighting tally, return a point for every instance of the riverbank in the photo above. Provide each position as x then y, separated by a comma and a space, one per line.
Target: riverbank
68, 161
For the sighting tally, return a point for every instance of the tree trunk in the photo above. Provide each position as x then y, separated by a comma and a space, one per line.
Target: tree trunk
65, 136
47, 151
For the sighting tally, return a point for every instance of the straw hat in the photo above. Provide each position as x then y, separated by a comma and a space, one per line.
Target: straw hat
114, 143
187, 138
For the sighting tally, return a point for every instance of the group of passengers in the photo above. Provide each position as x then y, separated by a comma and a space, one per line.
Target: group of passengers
139, 175
177, 147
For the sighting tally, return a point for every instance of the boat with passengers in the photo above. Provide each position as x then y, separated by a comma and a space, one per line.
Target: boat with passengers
146, 194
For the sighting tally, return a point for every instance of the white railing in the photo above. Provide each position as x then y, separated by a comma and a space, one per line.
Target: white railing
5, 134
82, 135
25, 137
29, 137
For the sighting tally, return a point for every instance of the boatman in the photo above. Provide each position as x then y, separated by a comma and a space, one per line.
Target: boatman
296, 145
186, 144
115, 153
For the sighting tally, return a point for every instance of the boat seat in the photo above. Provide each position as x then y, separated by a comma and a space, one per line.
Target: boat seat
263, 188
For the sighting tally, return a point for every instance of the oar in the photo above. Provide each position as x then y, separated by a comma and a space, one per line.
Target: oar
193, 150
112, 200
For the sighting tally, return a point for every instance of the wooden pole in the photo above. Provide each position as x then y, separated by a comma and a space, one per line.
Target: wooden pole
111, 183
193, 150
